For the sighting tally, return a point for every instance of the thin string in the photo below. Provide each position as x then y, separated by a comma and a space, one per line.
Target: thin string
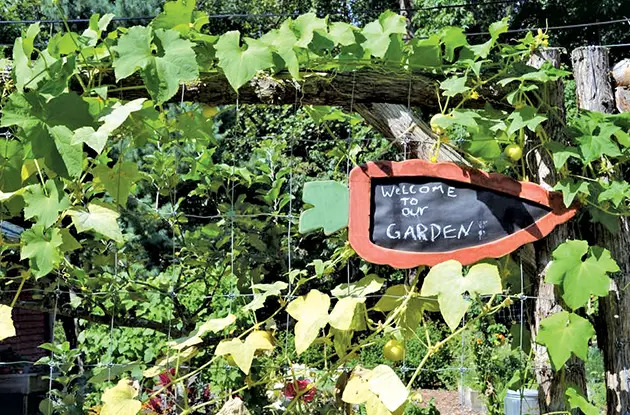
521, 329
51, 363
350, 141
110, 348
290, 222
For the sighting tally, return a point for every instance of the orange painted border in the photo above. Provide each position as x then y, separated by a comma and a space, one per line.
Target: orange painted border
360, 198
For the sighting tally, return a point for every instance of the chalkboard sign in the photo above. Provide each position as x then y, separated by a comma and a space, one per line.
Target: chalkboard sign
418, 213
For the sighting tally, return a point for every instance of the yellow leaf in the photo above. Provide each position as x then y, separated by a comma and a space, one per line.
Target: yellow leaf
385, 384
311, 312
241, 352
6, 323
260, 340
119, 400
357, 390
343, 312
195, 337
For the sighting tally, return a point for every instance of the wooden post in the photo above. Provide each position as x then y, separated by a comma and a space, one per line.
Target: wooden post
594, 90
551, 385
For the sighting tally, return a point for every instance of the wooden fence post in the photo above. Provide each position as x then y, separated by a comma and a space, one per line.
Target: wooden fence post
592, 77
551, 385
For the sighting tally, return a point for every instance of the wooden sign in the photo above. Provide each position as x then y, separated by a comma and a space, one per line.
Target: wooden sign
412, 213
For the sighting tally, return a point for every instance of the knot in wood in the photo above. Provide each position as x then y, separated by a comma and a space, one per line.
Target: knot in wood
268, 89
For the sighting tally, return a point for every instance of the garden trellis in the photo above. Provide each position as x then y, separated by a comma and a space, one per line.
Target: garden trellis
347, 84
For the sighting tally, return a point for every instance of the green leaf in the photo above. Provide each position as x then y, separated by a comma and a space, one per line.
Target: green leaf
426, 52
367, 285
181, 16
41, 247
264, 291
408, 319
119, 180
177, 64
498, 28
580, 278
69, 242
611, 222
342, 33
577, 401
526, 117
241, 65
306, 25
331, 203
134, 52
99, 219
447, 282
311, 312
570, 190
71, 154
564, 333
463, 118
7, 329
454, 85
164, 65
593, 147
119, 400
388, 387
47, 125
616, 192
561, 153
44, 203
453, 37
11, 156
379, 34
282, 41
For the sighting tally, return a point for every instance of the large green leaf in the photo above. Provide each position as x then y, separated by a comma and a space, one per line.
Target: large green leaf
447, 282
580, 278
331, 203
578, 401
164, 59
118, 180
380, 34
311, 313
180, 15
97, 218
241, 65
48, 126
526, 117
282, 42
306, 25
564, 333
570, 189
11, 156
44, 203
41, 247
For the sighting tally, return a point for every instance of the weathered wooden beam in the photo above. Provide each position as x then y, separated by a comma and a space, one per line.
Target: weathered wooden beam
314, 88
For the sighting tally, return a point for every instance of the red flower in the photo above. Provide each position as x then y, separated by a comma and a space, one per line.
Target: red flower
290, 393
